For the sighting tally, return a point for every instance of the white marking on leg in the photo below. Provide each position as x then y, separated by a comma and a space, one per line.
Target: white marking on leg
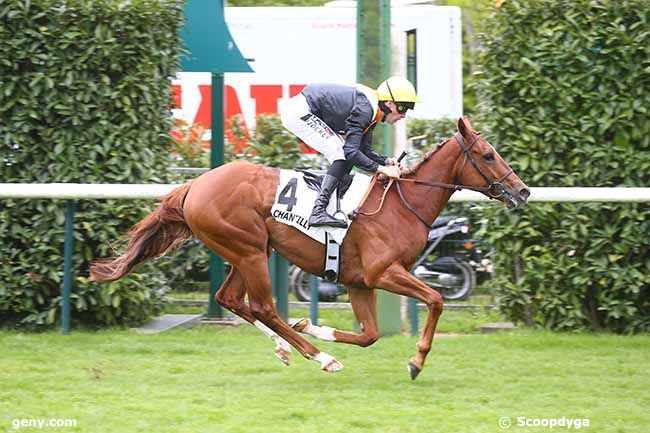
321, 332
265, 329
328, 362
281, 343
282, 348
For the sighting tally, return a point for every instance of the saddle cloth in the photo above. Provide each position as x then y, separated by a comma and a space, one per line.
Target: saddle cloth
295, 196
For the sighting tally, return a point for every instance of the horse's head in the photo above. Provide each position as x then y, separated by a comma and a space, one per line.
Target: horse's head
482, 167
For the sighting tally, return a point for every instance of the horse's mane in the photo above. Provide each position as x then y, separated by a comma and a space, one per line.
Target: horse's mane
410, 171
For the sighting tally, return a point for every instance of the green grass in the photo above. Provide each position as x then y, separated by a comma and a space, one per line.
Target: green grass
226, 379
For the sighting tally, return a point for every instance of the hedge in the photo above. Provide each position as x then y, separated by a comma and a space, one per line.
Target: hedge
84, 97
564, 94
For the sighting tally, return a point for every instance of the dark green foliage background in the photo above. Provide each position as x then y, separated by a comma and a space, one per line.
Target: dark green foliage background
84, 97
564, 94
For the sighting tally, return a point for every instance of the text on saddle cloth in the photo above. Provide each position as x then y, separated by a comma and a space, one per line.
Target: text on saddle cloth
295, 196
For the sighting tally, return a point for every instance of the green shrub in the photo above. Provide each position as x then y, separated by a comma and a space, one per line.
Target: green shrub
564, 94
84, 97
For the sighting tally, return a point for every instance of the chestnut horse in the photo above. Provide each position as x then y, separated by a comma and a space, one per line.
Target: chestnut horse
228, 209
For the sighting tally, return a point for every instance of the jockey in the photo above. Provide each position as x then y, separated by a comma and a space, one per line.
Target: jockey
338, 121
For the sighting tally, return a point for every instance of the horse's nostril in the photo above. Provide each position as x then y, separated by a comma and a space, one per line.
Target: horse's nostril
524, 193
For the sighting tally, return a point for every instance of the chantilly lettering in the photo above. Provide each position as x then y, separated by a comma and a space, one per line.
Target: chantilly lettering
291, 217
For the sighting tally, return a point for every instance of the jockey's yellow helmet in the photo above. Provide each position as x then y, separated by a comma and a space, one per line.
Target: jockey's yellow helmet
397, 89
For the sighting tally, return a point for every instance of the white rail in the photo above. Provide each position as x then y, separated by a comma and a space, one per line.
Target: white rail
75, 191
143, 191
83, 191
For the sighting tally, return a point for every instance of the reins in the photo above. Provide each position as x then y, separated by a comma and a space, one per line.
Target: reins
494, 189
357, 211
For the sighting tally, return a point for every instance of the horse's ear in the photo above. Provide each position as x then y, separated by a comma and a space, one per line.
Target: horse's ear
464, 127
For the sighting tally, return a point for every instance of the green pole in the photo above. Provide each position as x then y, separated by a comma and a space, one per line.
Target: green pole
411, 74
313, 302
413, 313
280, 280
272, 271
386, 66
216, 272
68, 248
374, 66
361, 38
374, 56
282, 286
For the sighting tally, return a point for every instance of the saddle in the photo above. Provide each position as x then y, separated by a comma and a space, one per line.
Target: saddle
297, 190
314, 180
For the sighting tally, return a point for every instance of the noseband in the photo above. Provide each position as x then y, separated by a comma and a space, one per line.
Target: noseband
494, 189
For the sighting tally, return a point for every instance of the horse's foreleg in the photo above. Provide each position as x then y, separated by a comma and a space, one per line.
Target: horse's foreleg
255, 272
364, 307
398, 280
231, 296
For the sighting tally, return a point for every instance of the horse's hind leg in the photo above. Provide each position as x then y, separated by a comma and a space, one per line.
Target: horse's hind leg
365, 310
231, 296
258, 285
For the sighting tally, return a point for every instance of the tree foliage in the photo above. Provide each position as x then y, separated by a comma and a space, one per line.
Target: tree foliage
84, 98
565, 93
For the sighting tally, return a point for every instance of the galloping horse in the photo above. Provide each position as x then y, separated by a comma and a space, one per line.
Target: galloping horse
228, 209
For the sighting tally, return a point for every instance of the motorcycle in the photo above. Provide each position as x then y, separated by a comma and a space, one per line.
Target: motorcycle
452, 263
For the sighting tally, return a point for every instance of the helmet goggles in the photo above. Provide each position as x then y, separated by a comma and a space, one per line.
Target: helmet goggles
402, 107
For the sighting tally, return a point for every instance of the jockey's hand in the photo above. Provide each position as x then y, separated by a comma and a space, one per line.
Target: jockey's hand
393, 161
389, 170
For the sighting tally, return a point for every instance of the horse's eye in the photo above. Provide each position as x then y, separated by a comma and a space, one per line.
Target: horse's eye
489, 157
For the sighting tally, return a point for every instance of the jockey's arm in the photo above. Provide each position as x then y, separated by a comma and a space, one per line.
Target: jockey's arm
366, 145
384, 162
353, 152
355, 126
357, 139
357, 143
359, 159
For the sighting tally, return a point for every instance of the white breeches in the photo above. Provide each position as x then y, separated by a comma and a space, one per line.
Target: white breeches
297, 118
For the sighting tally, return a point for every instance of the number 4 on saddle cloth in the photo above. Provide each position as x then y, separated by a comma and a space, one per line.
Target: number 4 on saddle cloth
294, 201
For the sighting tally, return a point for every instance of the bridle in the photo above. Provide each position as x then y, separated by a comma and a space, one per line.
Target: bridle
494, 188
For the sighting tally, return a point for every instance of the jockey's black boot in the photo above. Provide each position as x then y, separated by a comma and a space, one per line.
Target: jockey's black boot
319, 216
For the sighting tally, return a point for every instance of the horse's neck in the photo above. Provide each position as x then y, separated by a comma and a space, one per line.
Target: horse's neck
440, 167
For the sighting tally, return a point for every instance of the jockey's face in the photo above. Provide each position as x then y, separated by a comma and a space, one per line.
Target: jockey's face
394, 115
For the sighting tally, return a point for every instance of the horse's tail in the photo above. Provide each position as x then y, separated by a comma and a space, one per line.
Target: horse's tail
159, 232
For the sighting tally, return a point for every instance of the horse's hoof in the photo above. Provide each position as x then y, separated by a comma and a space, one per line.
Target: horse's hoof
327, 362
413, 369
283, 355
300, 325
333, 366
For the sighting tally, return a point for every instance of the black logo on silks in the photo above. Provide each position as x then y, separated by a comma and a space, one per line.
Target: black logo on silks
317, 125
